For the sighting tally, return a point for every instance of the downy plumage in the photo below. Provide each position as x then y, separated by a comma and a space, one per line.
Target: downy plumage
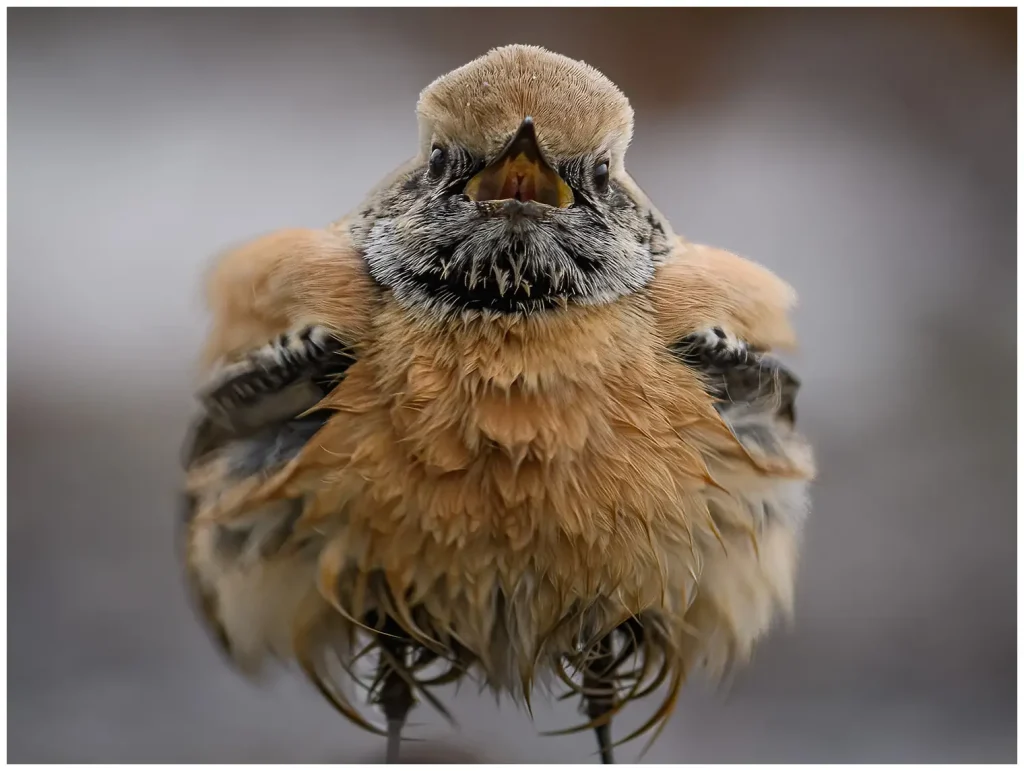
499, 422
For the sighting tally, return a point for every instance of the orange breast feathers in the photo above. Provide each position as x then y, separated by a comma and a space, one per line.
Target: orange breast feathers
571, 427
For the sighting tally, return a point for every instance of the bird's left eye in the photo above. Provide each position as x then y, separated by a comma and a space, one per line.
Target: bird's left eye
436, 164
601, 175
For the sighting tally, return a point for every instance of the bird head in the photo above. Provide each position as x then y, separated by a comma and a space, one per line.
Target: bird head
518, 200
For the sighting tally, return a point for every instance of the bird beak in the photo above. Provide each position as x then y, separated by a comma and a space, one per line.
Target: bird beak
521, 173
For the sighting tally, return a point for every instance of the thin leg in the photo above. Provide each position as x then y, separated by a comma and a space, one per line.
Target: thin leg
394, 740
599, 686
604, 741
396, 697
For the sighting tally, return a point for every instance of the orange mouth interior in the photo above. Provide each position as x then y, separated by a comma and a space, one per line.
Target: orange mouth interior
520, 179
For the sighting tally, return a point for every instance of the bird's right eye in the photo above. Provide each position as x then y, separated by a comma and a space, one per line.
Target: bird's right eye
437, 162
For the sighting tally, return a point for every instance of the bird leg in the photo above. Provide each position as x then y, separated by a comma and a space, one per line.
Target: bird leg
396, 699
599, 693
395, 696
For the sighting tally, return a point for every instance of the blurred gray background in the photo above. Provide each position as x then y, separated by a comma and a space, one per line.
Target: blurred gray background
866, 156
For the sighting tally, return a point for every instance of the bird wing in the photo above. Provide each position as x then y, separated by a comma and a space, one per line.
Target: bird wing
724, 318
290, 314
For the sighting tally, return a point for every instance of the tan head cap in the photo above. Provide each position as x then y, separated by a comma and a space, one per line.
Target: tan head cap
577, 111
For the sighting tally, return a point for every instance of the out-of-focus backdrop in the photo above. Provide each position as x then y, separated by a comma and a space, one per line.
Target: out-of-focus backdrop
867, 156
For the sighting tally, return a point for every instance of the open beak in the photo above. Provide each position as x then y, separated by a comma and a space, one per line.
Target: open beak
521, 173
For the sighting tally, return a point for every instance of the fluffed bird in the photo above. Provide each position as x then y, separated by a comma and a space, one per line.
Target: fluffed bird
500, 422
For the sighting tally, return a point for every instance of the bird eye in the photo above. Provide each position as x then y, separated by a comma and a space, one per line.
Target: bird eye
601, 175
437, 159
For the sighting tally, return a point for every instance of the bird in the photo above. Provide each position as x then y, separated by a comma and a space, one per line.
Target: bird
499, 423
